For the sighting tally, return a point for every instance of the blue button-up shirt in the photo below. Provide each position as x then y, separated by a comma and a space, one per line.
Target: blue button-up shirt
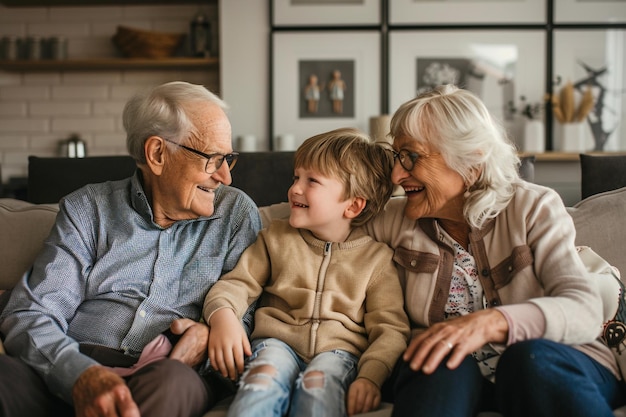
109, 275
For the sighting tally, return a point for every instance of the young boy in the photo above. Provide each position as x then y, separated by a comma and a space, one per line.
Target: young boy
330, 316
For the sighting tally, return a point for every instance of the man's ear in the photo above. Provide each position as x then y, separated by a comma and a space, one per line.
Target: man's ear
355, 208
154, 147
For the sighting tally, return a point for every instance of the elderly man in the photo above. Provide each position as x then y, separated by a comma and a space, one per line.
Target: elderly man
107, 319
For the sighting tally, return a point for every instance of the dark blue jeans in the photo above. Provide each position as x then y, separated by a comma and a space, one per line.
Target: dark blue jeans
534, 378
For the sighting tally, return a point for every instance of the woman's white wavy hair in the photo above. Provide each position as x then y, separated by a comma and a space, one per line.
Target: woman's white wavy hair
457, 124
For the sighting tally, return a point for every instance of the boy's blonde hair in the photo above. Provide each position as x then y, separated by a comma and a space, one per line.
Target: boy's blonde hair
362, 166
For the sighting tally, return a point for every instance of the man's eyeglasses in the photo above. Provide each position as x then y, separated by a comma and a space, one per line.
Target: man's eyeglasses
214, 161
408, 159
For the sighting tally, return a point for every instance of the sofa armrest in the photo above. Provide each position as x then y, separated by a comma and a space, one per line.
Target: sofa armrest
599, 221
24, 227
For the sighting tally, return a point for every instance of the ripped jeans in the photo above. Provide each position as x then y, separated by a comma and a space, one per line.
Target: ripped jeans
277, 382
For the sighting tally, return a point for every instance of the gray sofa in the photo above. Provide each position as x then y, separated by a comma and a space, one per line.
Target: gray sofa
599, 219
265, 176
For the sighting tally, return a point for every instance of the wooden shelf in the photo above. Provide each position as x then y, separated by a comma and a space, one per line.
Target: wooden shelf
96, 64
565, 156
52, 3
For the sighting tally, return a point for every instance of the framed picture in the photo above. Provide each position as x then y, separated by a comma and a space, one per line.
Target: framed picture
593, 59
505, 68
326, 12
589, 11
324, 80
433, 12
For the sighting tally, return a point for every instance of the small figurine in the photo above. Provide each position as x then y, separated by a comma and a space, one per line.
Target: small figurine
337, 87
312, 94
201, 36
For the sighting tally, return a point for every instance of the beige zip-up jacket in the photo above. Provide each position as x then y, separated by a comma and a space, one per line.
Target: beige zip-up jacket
318, 296
528, 266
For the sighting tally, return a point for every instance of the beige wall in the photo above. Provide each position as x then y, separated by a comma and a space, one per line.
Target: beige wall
39, 109
244, 60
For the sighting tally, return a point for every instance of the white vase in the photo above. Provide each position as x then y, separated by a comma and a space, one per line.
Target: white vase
515, 129
246, 143
534, 139
571, 137
285, 142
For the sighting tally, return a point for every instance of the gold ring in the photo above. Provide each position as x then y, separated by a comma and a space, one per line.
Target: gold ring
448, 344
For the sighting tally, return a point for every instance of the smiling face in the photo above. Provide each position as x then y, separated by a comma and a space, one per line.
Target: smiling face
318, 204
184, 190
432, 188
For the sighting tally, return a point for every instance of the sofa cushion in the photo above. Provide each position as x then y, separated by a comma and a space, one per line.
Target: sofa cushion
264, 176
599, 222
24, 227
600, 173
49, 179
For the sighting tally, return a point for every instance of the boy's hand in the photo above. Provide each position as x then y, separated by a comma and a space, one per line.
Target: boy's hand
228, 343
363, 396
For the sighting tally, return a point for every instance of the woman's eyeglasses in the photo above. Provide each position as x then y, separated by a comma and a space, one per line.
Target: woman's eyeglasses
407, 158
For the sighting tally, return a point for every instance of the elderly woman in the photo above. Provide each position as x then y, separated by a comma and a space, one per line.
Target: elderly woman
505, 316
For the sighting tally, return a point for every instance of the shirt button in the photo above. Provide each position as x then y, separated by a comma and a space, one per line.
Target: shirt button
142, 313
485, 272
413, 262
494, 303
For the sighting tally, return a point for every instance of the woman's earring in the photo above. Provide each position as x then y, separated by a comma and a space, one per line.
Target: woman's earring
466, 194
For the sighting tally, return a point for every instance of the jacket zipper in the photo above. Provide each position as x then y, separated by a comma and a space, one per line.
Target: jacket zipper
318, 296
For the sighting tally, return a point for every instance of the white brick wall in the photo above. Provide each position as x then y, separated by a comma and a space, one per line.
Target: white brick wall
40, 109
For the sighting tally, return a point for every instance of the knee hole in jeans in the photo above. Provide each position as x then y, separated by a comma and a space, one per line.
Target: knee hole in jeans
313, 379
259, 377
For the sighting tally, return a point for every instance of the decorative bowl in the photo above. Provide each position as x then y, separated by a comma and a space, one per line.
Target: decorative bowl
139, 43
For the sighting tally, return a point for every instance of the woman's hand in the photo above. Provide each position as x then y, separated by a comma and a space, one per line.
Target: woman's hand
228, 343
457, 337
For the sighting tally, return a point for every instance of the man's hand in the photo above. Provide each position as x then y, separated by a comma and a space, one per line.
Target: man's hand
98, 392
191, 349
363, 396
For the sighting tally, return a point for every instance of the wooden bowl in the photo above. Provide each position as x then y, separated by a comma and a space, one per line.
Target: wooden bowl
138, 43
